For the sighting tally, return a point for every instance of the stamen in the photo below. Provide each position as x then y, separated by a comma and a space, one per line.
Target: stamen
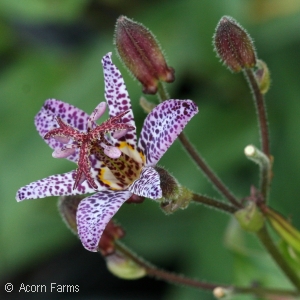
120, 133
96, 114
62, 139
64, 151
110, 151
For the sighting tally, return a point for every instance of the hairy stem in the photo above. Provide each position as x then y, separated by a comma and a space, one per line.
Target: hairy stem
261, 111
221, 187
174, 278
214, 203
265, 178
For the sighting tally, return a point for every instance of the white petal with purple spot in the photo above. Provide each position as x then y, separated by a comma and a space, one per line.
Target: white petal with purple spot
117, 98
162, 126
55, 185
148, 185
95, 212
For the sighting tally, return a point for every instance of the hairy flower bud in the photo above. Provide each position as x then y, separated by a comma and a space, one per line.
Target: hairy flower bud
124, 267
233, 45
141, 54
174, 195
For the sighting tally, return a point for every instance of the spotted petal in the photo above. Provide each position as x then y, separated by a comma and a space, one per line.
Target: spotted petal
162, 126
148, 185
55, 185
117, 98
45, 121
95, 212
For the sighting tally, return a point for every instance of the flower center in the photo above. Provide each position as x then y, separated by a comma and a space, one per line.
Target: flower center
119, 173
92, 141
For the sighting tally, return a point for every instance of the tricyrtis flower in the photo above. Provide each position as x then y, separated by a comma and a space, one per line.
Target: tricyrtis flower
117, 177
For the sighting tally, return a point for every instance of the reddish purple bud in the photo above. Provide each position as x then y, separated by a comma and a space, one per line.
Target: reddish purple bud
233, 45
140, 52
111, 233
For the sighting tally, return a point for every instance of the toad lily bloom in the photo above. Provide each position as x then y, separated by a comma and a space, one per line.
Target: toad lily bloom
111, 164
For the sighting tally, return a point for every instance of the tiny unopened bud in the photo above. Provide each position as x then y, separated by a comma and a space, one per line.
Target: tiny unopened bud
234, 45
175, 196
67, 207
141, 54
123, 267
146, 105
262, 75
221, 292
250, 218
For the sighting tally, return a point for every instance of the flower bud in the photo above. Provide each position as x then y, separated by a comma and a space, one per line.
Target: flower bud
262, 76
174, 195
221, 292
124, 267
233, 45
67, 207
141, 54
250, 218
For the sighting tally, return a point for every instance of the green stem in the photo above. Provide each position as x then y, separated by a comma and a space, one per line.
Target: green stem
174, 278
261, 110
214, 203
265, 178
266, 240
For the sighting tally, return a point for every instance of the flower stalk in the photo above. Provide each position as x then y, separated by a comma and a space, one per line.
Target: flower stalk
260, 109
174, 278
217, 183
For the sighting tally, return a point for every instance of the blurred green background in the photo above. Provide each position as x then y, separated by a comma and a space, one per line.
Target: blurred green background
53, 49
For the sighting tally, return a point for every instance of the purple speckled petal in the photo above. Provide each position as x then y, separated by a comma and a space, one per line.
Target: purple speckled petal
45, 121
117, 98
55, 185
162, 126
148, 185
95, 212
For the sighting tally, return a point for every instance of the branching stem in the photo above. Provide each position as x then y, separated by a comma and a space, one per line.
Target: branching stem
174, 278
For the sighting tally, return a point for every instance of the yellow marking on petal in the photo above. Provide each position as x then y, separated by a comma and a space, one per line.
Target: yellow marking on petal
132, 152
119, 173
107, 177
